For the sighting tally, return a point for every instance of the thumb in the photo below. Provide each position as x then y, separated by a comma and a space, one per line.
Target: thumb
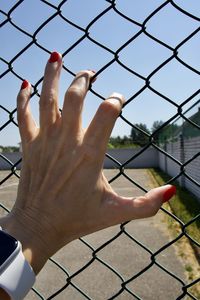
144, 206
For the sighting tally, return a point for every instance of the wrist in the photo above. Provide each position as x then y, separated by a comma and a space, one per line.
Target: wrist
32, 248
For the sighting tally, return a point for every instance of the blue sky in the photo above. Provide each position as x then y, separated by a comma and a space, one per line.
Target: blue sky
143, 55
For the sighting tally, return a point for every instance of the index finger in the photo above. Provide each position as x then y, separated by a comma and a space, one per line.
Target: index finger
99, 130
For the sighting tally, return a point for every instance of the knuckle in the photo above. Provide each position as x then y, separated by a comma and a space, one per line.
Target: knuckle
110, 108
74, 89
49, 99
75, 94
77, 90
150, 207
90, 153
85, 73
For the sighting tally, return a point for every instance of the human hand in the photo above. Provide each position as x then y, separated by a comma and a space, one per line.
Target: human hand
63, 193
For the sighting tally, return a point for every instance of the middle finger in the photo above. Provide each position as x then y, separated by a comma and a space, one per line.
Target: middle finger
73, 102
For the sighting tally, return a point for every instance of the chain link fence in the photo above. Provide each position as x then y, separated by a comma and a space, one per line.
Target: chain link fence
182, 140
85, 34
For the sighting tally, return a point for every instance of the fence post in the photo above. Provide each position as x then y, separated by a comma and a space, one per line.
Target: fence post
182, 158
165, 148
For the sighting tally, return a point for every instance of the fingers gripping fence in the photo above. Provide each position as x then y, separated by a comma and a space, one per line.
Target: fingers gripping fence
125, 285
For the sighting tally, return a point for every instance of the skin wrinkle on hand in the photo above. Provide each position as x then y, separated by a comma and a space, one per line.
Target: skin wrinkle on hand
72, 186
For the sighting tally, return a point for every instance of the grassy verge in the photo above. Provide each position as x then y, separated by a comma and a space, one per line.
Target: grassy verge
185, 206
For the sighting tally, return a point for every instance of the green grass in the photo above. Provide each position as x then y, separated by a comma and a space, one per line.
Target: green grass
184, 205
120, 146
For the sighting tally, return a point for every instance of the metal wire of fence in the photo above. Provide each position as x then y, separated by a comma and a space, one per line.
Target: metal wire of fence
142, 28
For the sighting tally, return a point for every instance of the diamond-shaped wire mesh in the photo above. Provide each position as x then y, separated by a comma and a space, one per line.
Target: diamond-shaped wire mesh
81, 35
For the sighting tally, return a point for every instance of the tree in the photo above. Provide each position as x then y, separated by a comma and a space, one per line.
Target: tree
168, 132
120, 142
115, 141
9, 149
140, 134
156, 125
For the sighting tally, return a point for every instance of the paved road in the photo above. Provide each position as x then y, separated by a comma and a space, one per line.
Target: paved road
124, 255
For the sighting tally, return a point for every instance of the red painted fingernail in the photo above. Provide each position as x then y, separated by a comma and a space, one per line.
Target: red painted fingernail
24, 84
169, 193
54, 57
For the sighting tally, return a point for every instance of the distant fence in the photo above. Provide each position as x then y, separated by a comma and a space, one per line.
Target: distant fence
131, 158
10, 161
185, 156
181, 155
115, 158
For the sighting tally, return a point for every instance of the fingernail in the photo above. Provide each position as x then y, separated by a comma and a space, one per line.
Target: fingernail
169, 193
54, 57
24, 84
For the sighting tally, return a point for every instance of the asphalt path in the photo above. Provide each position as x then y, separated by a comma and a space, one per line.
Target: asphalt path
114, 265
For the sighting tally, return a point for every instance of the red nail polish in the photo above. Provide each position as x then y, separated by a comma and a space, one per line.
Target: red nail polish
169, 193
54, 57
24, 84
